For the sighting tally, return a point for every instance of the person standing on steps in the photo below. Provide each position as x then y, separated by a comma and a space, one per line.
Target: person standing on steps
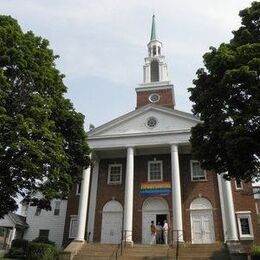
165, 232
153, 233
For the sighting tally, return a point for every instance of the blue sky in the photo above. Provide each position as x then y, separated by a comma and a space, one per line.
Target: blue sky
102, 44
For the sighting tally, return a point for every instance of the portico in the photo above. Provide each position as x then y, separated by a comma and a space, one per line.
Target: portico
131, 155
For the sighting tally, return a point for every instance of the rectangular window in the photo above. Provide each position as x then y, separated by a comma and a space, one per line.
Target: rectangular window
38, 211
239, 185
78, 189
155, 171
114, 174
57, 208
197, 173
245, 225
73, 227
44, 233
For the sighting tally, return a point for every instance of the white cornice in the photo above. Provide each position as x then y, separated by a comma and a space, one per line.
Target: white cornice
140, 134
140, 111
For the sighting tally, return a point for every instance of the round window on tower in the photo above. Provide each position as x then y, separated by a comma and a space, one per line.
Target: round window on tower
154, 98
151, 122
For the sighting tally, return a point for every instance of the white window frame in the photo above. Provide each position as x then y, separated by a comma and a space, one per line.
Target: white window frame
109, 172
38, 211
149, 166
245, 214
191, 172
57, 202
73, 218
78, 189
239, 188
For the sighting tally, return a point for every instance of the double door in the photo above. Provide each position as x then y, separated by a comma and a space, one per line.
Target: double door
202, 227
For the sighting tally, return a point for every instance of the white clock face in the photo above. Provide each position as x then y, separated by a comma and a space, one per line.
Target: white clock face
154, 98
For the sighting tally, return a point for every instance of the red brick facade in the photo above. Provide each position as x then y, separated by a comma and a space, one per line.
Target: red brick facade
166, 98
243, 199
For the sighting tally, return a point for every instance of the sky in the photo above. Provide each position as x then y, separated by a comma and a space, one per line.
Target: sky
102, 44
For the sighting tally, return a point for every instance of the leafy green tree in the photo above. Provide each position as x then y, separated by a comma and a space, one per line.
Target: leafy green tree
227, 99
43, 145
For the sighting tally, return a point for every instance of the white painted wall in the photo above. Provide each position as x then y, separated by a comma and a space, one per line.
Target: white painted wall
47, 220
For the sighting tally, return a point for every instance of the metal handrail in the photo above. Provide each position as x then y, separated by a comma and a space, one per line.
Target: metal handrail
179, 233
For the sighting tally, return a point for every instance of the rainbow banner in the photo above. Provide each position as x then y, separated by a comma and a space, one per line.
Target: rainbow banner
155, 188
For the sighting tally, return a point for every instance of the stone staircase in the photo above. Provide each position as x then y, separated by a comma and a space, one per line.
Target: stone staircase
155, 252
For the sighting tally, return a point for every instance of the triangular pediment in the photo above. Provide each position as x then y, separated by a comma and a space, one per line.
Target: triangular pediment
135, 122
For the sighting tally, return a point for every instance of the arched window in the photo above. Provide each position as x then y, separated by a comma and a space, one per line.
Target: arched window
159, 50
154, 50
154, 71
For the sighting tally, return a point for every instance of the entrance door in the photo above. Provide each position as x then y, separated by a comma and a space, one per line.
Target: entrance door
111, 230
202, 227
154, 209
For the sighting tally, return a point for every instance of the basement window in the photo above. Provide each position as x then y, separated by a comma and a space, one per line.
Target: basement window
73, 227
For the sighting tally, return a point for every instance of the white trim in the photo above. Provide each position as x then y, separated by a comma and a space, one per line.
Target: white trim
77, 189
239, 188
140, 111
109, 173
245, 214
73, 218
161, 170
191, 172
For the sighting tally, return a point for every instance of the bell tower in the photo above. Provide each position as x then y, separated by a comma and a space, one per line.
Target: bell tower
156, 87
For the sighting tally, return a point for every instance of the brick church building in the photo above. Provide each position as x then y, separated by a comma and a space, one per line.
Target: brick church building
143, 171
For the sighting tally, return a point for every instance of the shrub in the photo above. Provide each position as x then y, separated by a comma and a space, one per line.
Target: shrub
43, 240
20, 243
255, 251
17, 253
18, 249
41, 251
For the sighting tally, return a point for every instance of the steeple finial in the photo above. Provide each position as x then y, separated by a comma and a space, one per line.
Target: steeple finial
153, 31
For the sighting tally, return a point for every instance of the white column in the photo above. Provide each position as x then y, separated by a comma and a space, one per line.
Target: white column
92, 200
229, 210
12, 235
83, 204
222, 205
129, 195
176, 195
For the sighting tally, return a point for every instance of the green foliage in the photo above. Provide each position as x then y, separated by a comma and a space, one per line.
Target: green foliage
227, 99
255, 251
40, 251
18, 249
20, 243
43, 240
42, 140
16, 253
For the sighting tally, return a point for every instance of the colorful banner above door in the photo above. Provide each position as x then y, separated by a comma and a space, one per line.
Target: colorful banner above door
155, 188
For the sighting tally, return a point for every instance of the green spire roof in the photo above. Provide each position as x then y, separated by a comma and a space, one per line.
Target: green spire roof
153, 31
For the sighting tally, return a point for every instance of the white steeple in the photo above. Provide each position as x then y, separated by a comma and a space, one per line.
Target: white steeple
155, 68
156, 87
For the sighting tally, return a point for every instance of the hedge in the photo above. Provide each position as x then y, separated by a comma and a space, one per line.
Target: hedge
41, 251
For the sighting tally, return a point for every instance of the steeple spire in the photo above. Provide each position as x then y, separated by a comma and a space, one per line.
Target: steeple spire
153, 31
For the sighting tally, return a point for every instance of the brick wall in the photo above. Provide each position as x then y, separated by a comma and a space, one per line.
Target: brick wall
244, 201
166, 98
